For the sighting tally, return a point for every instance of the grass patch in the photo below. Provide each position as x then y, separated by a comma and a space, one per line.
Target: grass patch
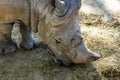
103, 38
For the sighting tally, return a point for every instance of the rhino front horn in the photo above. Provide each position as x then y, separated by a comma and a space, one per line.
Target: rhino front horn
95, 56
91, 56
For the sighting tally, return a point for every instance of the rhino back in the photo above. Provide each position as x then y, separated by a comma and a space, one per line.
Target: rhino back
13, 9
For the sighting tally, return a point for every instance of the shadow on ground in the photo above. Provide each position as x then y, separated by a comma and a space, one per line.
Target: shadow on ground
38, 65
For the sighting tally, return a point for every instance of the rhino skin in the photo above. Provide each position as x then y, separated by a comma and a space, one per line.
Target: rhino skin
57, 25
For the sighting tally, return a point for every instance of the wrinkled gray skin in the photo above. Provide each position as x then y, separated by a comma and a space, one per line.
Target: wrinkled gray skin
56, 22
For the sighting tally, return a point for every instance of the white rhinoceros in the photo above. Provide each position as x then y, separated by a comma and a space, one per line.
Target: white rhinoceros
57, 24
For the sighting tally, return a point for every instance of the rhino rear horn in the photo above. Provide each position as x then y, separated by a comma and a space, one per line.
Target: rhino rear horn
61, 7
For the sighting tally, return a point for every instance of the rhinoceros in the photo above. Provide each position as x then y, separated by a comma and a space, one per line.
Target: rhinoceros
54, 20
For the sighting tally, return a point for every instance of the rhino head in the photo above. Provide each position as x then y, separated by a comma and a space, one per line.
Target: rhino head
60, 30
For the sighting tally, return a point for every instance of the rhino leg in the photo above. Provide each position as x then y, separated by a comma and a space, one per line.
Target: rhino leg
28, 40
7, 45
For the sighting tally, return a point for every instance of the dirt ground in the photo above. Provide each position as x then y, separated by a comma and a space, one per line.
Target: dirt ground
101, 34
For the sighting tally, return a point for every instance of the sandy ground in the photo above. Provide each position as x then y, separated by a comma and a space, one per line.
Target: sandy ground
101, 35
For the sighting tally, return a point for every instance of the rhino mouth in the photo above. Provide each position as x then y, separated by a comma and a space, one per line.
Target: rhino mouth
62, 59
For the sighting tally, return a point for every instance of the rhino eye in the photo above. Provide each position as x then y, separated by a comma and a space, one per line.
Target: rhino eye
58, 41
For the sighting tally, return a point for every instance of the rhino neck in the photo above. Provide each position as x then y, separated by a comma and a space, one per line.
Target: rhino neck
39, 10
42, 7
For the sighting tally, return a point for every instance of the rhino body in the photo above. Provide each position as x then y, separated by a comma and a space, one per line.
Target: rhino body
56, 22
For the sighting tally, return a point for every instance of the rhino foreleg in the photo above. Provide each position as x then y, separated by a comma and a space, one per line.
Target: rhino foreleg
7, 45
28, 40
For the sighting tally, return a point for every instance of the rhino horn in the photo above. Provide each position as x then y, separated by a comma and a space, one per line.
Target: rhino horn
62, 6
